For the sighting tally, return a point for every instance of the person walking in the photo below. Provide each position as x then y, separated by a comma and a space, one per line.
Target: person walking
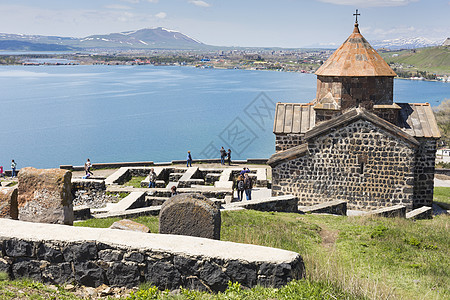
223, 154
189, 159
240, 187
248, 185
173, 191
13, 168
229, 157
152, 179
87, 168
244, 170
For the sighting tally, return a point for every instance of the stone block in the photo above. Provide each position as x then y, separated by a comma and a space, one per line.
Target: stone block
58, 273
390, 212
424, 212
131, 213
337, 207
49, 253
89, 274
44, 196
27, 268
190, 214
133, 200
163, 275
123, 274
8, 203
82, 212
286, 203
126, 224
80, 252
18, 248
88, 184
214, 276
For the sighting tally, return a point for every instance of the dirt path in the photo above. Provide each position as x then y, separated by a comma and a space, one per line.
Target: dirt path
329, 237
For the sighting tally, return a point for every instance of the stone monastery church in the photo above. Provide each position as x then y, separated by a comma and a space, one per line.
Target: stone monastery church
353, 142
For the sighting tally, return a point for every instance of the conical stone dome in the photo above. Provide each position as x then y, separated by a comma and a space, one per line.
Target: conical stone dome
355, 57
354, 76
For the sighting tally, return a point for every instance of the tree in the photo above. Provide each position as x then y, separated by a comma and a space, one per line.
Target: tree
442, 113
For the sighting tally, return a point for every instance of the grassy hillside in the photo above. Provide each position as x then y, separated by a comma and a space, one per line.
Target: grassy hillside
431, 59
345, 257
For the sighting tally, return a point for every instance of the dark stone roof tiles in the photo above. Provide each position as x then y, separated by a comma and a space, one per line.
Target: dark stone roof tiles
417, 119
289, 154
293, 118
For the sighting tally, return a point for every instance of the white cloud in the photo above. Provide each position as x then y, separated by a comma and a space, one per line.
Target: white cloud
117, 6
161, 15
370, 3
71, 22
153, 1
131, 1
200, 3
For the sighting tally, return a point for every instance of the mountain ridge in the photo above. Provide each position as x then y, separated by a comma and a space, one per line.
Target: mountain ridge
146, 38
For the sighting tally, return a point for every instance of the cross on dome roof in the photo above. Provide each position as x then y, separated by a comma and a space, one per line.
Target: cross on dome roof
356, 15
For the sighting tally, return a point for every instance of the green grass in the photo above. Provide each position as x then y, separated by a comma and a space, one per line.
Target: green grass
296, 289
345, 257
97, 223
152, 222
135, 181
361, 257
28, 289
430, 59
442, 194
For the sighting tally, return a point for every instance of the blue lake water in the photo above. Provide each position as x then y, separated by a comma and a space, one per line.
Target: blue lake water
54, 115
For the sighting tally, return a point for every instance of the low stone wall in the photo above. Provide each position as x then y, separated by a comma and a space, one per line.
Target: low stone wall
286, 141
91, 256
287, 203
337, 207
442, 171
88, 184
261, 161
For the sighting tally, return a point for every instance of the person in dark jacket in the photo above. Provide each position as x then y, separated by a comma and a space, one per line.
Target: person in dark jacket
152, 178
229, 157
240, 187
189, 159
223, 154
248, 185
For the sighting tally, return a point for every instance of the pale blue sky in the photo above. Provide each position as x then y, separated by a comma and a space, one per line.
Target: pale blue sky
274, 23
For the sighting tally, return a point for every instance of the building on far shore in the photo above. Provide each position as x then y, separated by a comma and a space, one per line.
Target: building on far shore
353, 142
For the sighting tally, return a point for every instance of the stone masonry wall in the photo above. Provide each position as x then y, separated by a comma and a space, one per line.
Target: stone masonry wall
351, 91
333, 171
424, 173
286, 141
56, 255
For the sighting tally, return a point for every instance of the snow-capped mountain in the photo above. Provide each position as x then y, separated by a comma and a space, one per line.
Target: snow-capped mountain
406, 43
149, 38
143, 38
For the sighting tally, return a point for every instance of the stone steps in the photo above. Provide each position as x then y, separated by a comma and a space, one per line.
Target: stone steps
337, 207
131, 213
116, 177
389, 212
424, 212
134, 199
286, 203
